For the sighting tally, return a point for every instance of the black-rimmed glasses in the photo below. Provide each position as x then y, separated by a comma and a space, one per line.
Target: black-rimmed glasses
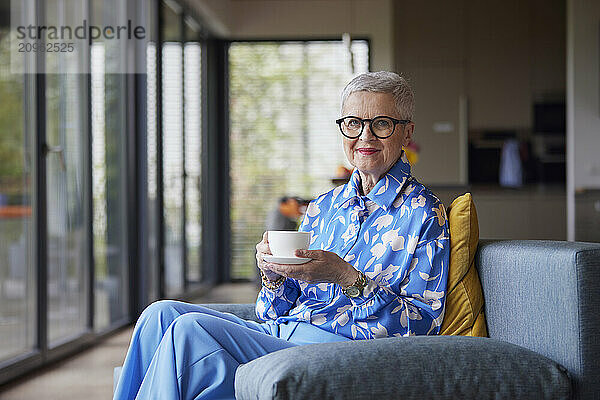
381, 127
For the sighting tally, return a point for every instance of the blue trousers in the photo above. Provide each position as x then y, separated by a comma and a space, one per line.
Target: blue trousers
186, 351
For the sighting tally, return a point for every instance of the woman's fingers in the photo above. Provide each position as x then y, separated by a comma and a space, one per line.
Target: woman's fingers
263, 246
324, 266
307, 272
263, 249
286, 270
262, 264
314, 254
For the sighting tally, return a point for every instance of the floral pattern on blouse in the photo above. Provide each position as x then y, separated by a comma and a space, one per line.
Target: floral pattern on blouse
398, 236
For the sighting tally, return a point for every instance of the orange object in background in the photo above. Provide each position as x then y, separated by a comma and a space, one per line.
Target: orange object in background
342, 172
15, 211
293, 207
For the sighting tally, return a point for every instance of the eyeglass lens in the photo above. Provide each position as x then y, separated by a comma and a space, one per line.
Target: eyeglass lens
380, 126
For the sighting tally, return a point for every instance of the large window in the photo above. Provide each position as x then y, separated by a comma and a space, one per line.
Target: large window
109, 189
65, 180
100, 175
284, 99
66, 161
17, 223
181, 148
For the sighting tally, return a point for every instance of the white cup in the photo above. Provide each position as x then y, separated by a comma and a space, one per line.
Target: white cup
285, 243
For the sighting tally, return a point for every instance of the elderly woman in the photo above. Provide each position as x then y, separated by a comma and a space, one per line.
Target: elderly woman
378, 267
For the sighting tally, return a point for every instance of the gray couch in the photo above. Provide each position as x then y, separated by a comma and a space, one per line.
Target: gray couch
541, 300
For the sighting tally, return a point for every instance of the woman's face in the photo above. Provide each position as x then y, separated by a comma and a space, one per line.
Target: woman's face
369, 154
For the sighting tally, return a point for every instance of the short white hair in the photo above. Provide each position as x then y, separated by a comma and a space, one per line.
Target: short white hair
384, 82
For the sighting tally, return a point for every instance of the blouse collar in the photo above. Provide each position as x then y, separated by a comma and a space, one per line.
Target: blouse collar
387, 188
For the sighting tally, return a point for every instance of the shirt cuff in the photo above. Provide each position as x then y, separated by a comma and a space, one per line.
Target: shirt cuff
272, 293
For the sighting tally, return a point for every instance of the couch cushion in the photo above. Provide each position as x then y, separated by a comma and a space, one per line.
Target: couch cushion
418, 367
464, 298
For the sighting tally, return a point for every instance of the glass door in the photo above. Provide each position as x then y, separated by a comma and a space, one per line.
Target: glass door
68, 219
181, 95
109, 166
17, 198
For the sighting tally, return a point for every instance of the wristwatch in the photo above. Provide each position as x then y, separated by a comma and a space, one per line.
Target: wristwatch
356, 289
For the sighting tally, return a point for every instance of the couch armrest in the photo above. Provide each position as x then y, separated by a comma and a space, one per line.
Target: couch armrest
545, 296
419, 367
244, 311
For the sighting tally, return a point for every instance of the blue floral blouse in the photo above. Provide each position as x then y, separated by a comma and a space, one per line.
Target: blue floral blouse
398, 236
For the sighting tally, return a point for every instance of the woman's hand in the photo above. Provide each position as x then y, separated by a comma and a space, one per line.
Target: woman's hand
262, 249
325, 266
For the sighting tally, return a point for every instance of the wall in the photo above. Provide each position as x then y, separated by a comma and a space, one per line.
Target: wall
430, 51
498, 56
583, 111
529, 213
276, 19
583, 94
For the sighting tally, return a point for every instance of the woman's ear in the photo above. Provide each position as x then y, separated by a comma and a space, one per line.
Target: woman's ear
408, 133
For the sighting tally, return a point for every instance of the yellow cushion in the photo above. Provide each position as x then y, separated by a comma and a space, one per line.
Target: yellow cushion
464, 296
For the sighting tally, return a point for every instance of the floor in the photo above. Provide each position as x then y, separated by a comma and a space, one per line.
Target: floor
70, 379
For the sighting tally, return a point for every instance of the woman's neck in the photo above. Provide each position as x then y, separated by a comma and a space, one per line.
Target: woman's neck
367, 182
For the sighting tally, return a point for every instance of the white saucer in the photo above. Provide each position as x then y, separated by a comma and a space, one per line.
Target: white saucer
286, 260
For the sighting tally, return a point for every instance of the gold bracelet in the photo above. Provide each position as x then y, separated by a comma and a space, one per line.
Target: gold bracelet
271, 285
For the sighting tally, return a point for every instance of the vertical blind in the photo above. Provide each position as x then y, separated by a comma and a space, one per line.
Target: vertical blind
152, 172
284, 99
172, 116
192, 67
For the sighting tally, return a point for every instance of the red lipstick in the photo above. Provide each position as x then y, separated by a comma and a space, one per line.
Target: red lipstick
366, 151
